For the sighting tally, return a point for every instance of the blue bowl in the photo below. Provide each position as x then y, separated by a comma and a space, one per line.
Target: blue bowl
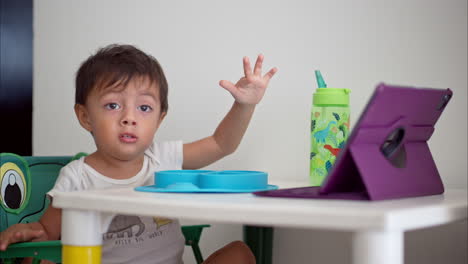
208, 181
163, 179
233, 179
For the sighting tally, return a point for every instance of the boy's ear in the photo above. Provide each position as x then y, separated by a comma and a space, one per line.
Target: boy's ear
83, 117
163, 115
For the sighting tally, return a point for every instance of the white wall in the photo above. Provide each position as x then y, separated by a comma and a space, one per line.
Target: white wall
356, 44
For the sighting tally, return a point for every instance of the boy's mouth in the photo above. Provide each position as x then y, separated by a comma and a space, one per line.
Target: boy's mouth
128, 138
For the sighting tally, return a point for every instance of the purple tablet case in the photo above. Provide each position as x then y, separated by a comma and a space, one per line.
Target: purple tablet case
386, 155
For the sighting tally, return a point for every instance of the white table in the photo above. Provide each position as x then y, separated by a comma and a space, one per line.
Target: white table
378, 226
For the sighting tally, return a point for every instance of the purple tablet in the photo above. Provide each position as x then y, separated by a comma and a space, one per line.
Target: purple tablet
386, 155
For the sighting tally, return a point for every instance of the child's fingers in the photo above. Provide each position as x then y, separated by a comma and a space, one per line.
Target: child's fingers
228, 86
270, 74
258, 65
27, 235
18, 233
33, 235
247, 68
5, 240
3, 244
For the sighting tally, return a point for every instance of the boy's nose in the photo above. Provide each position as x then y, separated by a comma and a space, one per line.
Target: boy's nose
128, 117
127, 121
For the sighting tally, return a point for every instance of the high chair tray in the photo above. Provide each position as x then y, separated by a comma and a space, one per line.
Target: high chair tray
193, 181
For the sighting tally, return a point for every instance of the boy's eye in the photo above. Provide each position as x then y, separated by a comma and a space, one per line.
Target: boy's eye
112, 106
145, 108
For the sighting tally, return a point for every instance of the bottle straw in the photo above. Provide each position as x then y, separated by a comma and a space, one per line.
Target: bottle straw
320, 82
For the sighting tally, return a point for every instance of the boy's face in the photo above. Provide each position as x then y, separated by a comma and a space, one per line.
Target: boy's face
122, 120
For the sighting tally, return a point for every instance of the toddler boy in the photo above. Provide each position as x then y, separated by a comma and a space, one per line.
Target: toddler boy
121, 99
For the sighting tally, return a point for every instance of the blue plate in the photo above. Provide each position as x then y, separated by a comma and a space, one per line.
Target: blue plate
196, 181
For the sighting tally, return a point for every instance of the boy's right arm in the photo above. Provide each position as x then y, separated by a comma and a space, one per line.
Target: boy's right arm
48, 228
51, 221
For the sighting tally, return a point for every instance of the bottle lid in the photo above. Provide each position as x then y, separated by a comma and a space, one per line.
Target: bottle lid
331, 96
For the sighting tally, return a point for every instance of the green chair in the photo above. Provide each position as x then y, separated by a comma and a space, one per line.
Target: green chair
24, 182
192, 235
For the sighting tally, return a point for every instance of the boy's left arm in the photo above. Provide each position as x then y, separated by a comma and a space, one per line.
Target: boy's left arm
247, 92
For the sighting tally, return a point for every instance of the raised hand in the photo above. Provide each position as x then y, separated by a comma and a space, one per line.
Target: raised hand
251, 87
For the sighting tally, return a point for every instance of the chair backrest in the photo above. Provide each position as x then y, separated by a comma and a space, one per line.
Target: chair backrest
24, 182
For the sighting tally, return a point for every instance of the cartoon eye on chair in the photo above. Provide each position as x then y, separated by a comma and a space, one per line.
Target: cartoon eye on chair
14, 181
24, 182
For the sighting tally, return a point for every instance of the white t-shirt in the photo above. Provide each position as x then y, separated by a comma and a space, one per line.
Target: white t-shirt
132, 239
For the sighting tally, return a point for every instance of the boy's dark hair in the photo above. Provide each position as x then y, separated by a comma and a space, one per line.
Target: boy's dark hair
116, 65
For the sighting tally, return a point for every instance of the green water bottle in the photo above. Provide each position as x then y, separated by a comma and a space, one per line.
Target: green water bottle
329, 128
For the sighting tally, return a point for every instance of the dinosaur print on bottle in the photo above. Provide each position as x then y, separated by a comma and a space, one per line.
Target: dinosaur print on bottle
329, 131
321, 135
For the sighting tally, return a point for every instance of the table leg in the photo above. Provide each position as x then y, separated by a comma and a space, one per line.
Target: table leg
383, 247
81, 237
260, 241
